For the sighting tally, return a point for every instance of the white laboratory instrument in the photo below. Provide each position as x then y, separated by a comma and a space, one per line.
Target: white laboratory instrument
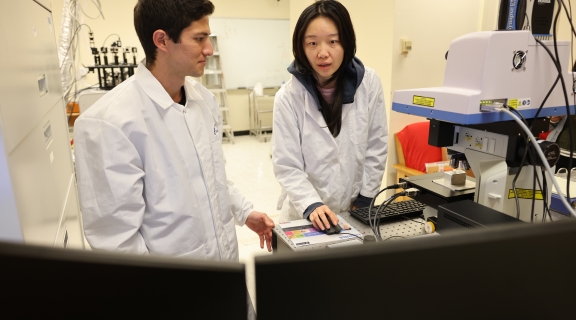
484, 69
487, 67
38, 197
88, 97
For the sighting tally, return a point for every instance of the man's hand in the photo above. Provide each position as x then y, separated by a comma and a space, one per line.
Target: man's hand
260, 223
555, 119
319, 217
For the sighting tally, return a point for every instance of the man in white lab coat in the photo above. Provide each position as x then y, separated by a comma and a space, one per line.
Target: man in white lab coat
149, 160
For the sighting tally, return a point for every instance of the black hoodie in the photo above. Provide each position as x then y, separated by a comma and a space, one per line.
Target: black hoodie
353, 75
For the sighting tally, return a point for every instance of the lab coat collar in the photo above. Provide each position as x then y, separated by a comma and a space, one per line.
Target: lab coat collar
154, 89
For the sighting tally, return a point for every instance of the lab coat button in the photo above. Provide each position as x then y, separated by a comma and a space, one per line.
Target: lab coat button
335, 160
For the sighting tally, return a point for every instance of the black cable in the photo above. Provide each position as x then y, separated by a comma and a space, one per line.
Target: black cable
533, 194
521, 164
533, 158
545, 196
383, 209
573, 96
371, 207
547, 205
384, 204
528, 27
535, 117
394, 186
414, 220
559, 66
393, 237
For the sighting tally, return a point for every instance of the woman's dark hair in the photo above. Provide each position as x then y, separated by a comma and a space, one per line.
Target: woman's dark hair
336, 12
172, 16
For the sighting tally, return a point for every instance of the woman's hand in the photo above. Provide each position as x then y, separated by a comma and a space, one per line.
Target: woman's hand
320, 217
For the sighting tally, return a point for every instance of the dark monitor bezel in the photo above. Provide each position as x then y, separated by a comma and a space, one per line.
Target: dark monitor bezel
515, 271
45, 282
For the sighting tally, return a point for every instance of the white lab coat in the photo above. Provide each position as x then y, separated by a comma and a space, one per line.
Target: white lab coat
136, 180
313, 166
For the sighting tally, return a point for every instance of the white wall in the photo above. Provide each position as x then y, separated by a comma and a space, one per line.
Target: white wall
431, 25
373, 24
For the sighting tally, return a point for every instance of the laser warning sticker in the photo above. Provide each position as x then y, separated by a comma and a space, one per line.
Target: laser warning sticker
423, 101
525, 194
519, 103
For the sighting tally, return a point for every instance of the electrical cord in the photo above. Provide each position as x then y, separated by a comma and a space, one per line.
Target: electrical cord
527, 27
555, 61
98, 6
533, 157
393, 237
360, 238
383, 209
564, 91
383, 206
113, 34
72, 40
545, 196
541, 154
399, 185
533, 194
518, 174
414, 220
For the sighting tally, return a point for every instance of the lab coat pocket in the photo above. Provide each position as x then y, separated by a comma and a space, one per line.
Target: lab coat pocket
196, 253
358, 124
219, 162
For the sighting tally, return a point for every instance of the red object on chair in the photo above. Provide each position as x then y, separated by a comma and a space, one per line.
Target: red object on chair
543, 135
414, 142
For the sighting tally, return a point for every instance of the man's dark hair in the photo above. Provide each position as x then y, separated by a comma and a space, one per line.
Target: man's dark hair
172, 16
336, 12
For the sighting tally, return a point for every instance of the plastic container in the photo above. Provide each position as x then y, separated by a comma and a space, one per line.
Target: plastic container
440, 166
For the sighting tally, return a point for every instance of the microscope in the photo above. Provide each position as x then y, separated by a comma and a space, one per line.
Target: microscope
486, 72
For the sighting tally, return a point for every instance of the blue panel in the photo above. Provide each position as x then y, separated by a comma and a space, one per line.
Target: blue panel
478, 118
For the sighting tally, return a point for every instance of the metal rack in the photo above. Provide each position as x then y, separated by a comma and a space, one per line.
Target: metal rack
259, 107
213, 79
109, 76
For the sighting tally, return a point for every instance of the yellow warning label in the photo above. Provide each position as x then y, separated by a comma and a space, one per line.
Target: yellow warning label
525, 194
514, 103
423, 101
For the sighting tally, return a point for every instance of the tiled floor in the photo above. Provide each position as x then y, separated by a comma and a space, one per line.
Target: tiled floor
249, 166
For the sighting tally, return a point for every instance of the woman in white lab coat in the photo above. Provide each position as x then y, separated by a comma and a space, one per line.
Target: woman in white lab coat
330, 134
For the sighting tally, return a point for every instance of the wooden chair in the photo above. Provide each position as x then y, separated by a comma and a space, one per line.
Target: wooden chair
421, 130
